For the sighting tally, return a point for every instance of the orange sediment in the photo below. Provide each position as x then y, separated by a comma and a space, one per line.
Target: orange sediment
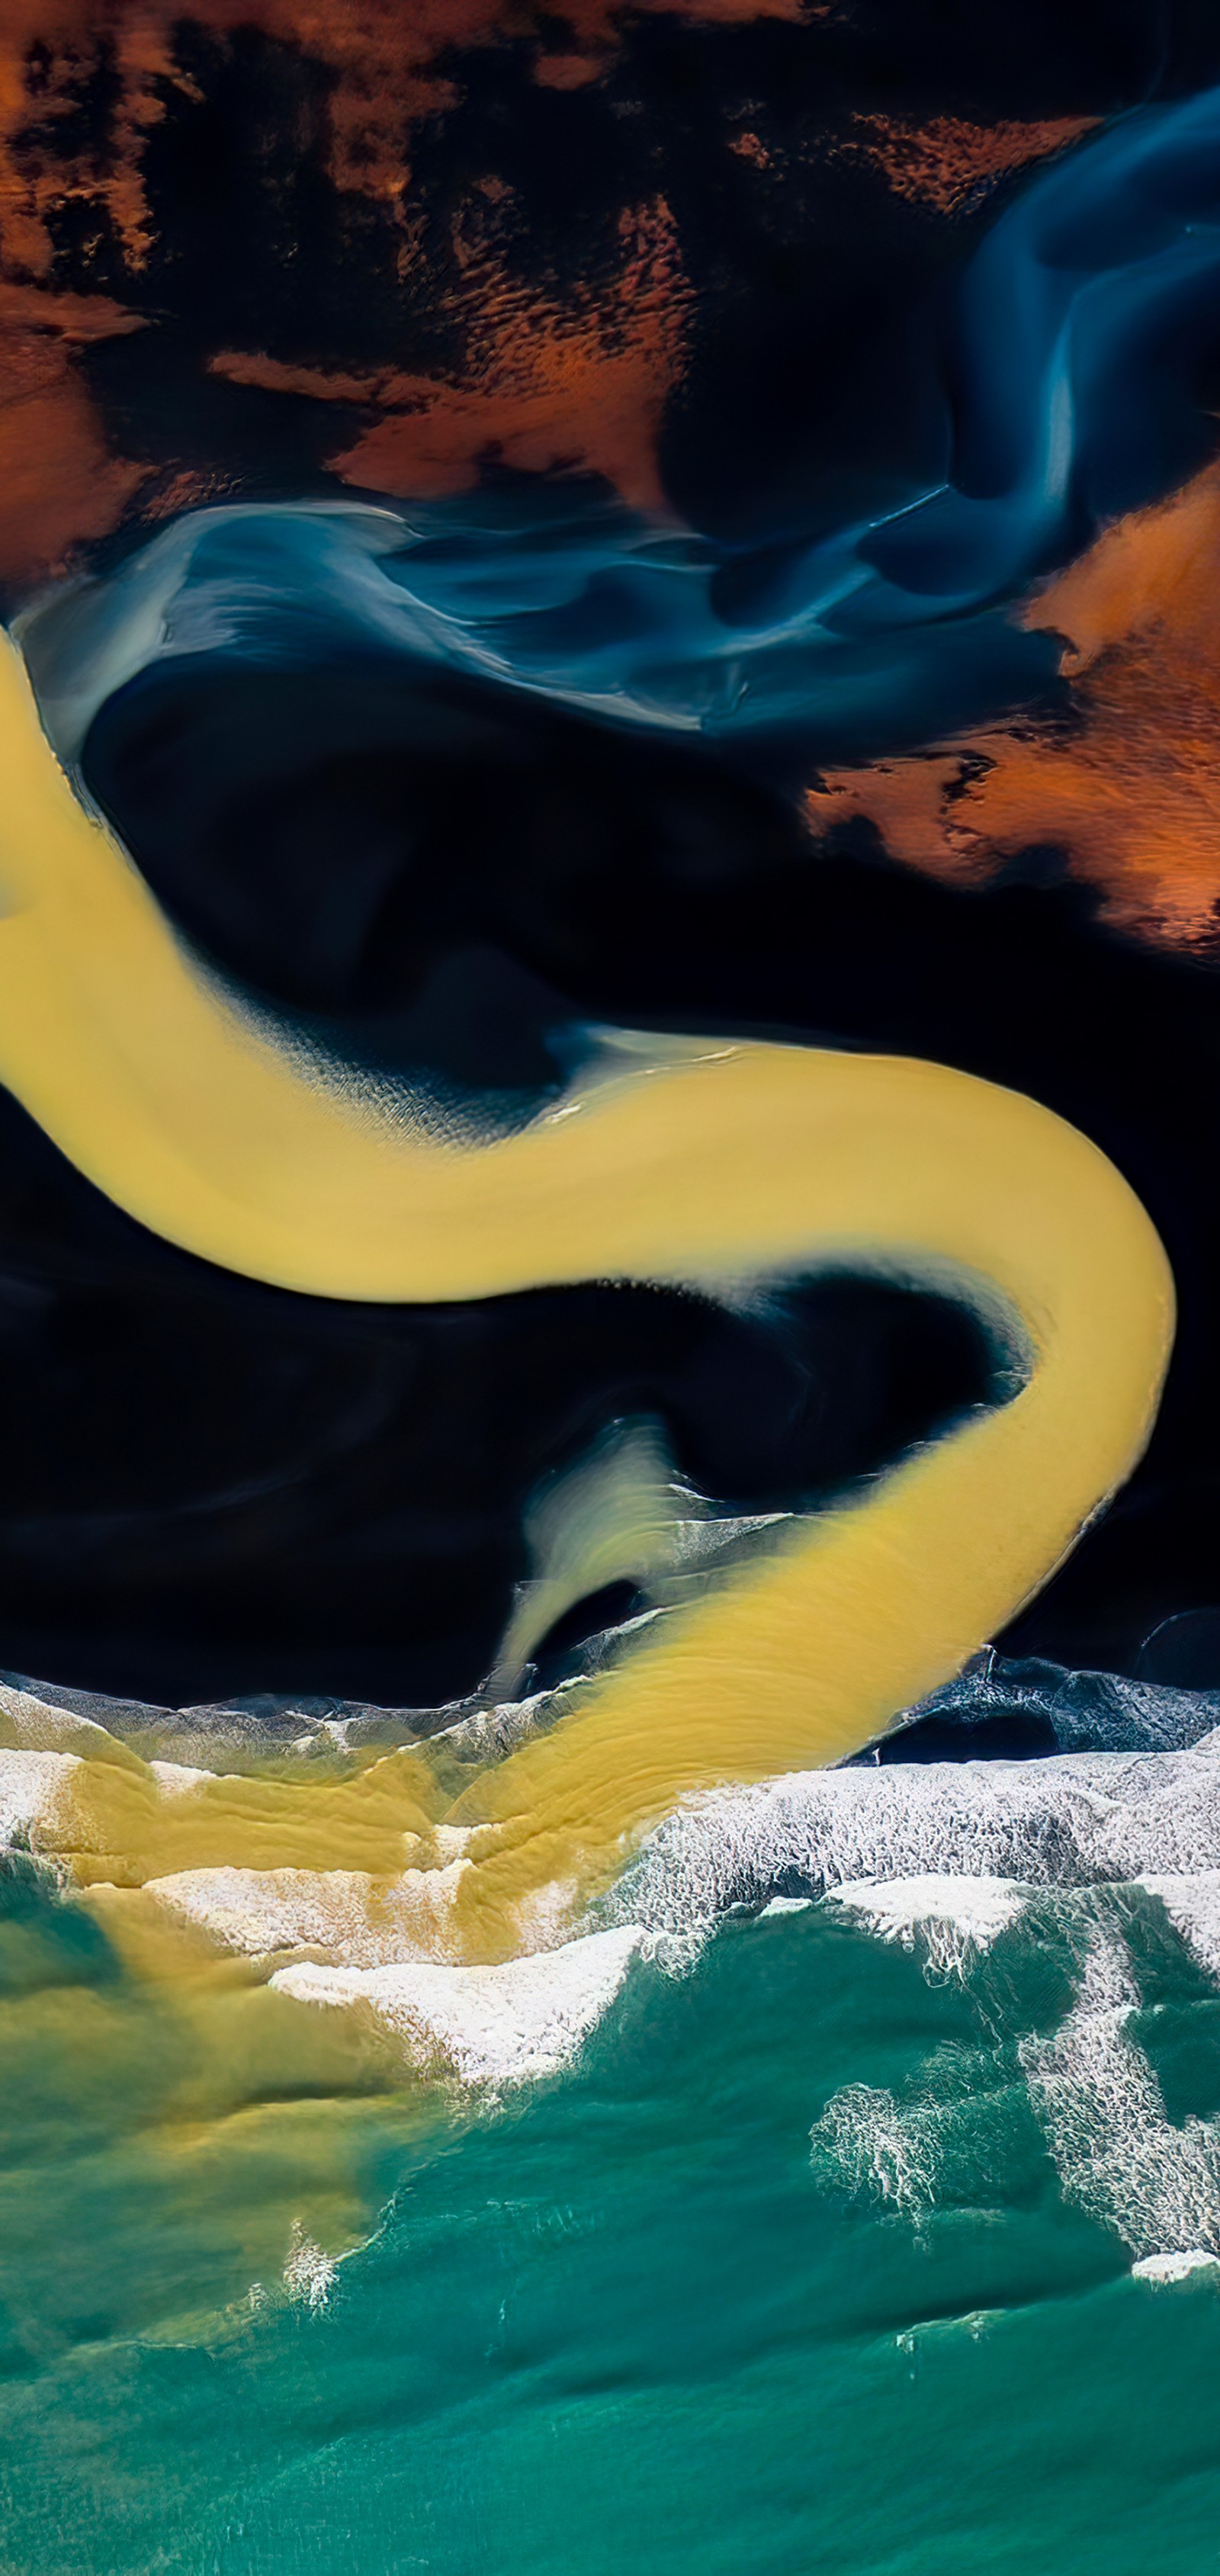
1128, 784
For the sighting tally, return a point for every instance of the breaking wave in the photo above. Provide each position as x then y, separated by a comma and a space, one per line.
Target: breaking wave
1071, 1820
973, 2124
1118, 2155
1053, 1892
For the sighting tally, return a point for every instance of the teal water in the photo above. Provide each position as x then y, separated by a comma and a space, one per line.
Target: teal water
636, 2319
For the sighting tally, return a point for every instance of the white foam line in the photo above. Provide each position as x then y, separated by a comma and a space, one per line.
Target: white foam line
37, 1782
309, 2273
955, 1917
173, 1779
496, 2025
895, 2150
1119, 2157
1193, 1907
1073, 1819
39, 1726
351, 1918
1174, 2267
34, 1788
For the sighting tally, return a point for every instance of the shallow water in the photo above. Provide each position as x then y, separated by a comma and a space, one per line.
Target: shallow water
635, 2315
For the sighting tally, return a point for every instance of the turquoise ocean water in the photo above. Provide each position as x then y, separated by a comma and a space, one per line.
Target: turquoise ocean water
636, 2317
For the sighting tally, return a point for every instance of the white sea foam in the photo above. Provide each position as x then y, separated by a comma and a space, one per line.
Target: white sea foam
895, 2151
947, 2143
34, 1788
495, 2026
1095, 2095
173, 1779
548, 1916
309, 2273
1174, 2267
1118, 2155
38, 1726
946, 1854
953, 1917
1077, 1819
37, 1781
342, 1915
1193, 1907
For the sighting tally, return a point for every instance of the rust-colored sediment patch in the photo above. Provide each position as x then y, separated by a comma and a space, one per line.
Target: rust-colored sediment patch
547, 386
543, 382
58, 483
382, 56
1129, 786
952, 165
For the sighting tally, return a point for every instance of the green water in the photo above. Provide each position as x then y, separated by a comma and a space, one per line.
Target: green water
631, 2321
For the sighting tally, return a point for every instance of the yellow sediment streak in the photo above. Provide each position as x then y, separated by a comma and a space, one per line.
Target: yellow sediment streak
743, 1162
